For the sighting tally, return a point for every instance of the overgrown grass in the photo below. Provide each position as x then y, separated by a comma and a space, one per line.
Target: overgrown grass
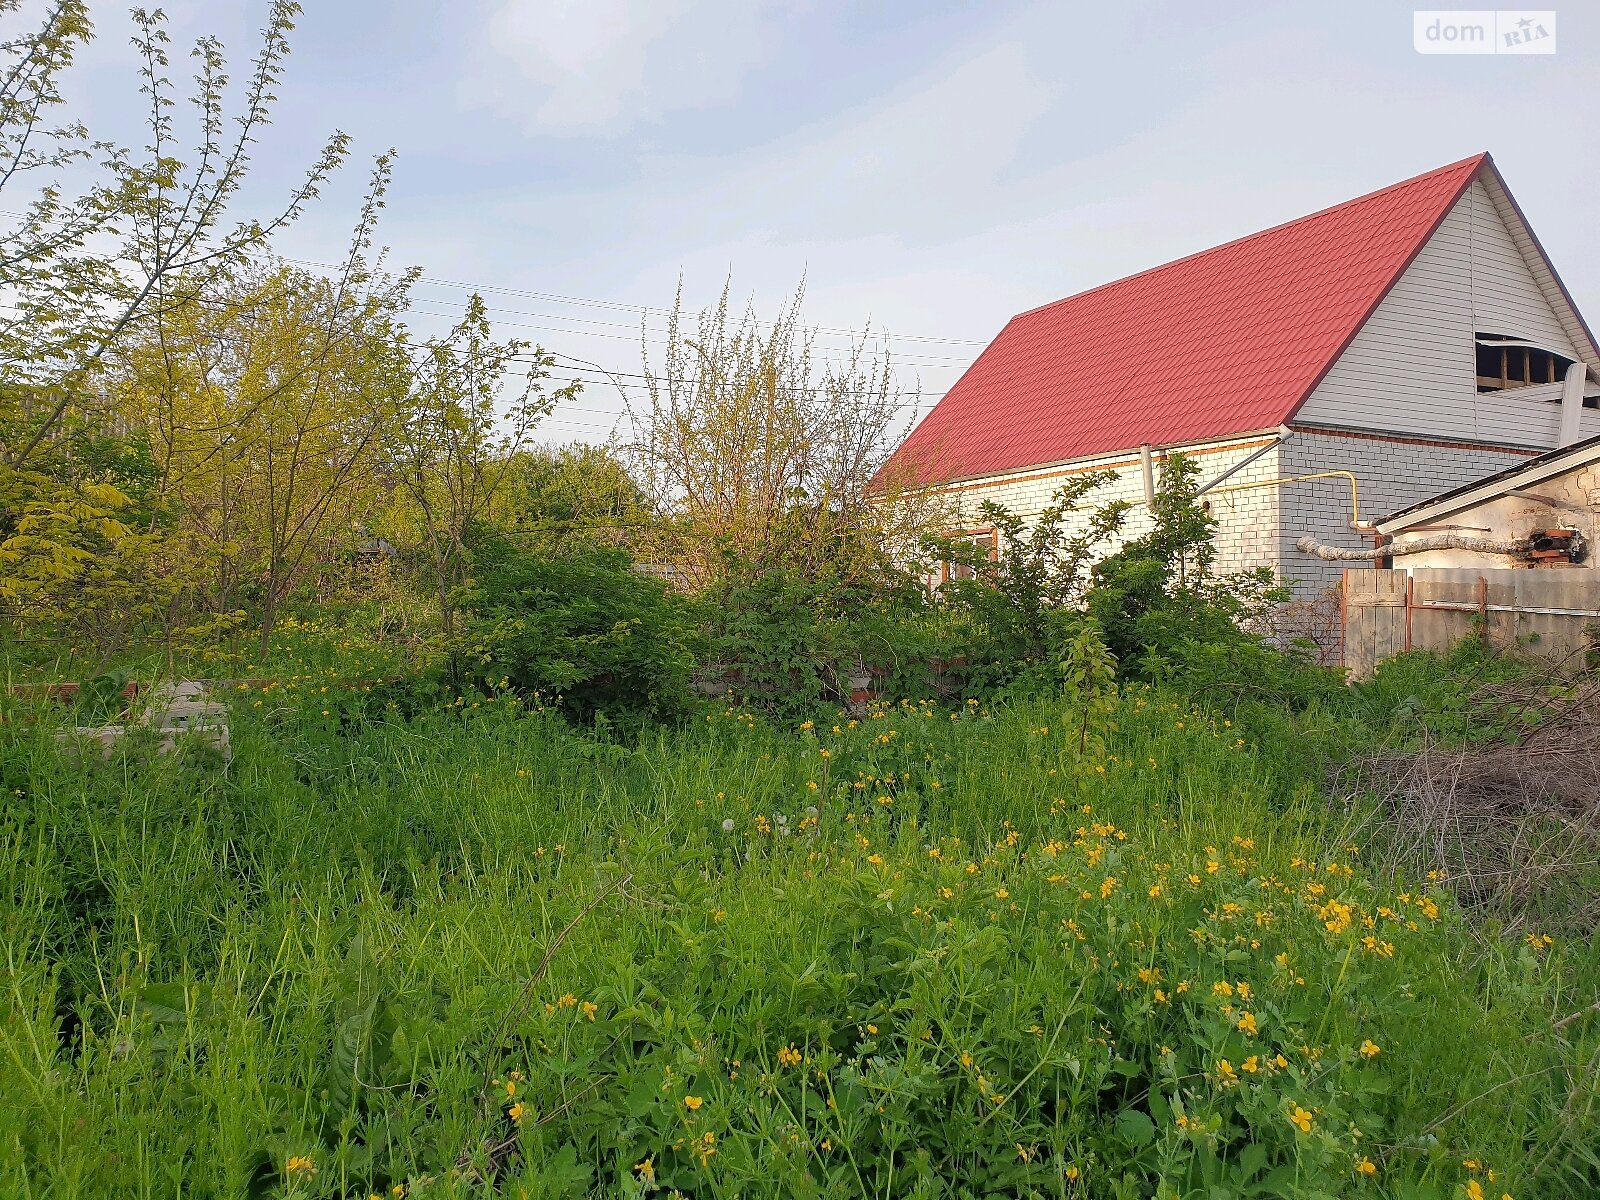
923, 954
332, 644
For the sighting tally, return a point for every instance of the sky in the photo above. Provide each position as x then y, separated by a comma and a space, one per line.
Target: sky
927, 168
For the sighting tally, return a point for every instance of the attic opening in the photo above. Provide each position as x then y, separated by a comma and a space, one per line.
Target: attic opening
1506, 361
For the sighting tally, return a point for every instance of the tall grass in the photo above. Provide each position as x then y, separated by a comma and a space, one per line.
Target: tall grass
922, 954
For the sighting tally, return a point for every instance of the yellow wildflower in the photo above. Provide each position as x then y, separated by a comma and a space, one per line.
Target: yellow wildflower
300, 1166
1301, 1120
1370, 1049
693, 1103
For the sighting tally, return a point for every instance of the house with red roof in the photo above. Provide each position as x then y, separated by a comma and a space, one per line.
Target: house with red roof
1343, 365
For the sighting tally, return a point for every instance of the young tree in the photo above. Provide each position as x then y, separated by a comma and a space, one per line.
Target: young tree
458, 429
263, 396
753, 450
85, 270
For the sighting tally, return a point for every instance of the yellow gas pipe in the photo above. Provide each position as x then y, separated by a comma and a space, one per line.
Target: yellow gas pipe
1355, 492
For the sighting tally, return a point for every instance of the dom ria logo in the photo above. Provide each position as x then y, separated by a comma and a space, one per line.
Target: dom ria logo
1483, 31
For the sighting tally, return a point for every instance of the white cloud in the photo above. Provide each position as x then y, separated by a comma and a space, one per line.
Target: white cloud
592, 66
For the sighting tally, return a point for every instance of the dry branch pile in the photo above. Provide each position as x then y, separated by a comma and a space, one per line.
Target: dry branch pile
1512, 822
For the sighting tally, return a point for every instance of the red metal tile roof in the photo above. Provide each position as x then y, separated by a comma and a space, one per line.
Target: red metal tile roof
1227, 341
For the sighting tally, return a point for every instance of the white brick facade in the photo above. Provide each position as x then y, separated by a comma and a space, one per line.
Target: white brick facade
1257, 526
1247, 533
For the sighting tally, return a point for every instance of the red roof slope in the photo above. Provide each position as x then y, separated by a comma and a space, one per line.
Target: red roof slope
1226, 341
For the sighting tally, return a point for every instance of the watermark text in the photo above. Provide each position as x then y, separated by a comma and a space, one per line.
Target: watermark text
1483, 31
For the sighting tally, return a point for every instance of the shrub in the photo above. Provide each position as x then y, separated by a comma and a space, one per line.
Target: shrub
792, 640
1161, 591
1018, 610
579, 626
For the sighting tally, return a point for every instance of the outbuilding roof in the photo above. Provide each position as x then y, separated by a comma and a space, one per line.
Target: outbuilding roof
1519, 475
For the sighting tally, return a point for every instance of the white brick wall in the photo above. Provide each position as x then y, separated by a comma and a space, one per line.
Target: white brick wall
1392, 473
1259, 526
1247, 534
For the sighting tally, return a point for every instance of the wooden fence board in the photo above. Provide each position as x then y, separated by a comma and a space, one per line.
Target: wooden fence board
1552, 613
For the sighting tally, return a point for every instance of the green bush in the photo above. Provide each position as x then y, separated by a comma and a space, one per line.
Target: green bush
579, 627
792, 641
1016, 612
1160, 594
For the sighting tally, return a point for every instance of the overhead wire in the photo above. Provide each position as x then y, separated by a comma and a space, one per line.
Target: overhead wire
922, 400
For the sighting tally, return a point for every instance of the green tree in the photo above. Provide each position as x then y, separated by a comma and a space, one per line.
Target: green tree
458, 429
108, 245
576, 492
264, 399
147, 231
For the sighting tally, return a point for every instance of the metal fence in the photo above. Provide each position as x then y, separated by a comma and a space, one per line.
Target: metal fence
1554, 614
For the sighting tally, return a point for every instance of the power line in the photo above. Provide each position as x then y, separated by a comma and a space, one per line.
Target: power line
590, 302
624, 306
616, 377
929, 360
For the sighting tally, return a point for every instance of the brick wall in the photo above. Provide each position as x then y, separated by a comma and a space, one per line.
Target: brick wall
1392, 473
1258, 526
1247, 534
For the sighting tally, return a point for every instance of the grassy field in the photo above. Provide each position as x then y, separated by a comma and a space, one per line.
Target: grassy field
924, 954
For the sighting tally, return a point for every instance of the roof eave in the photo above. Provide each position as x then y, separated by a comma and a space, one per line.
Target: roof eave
1218, 439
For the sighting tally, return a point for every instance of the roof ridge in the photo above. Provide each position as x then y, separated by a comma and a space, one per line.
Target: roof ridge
1478, 160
